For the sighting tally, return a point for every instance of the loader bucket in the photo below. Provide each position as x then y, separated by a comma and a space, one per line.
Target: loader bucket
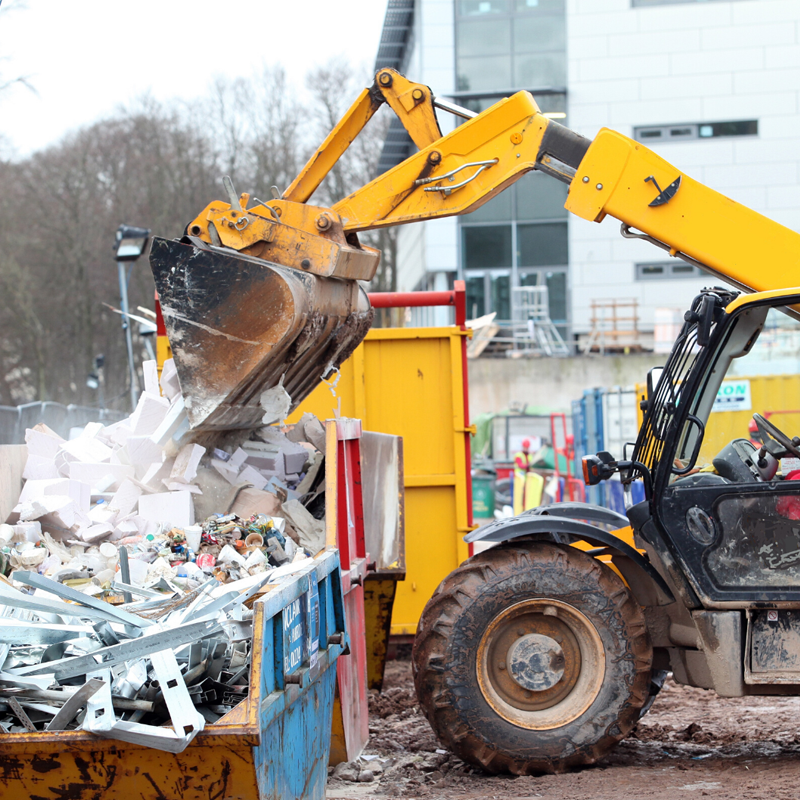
240, 325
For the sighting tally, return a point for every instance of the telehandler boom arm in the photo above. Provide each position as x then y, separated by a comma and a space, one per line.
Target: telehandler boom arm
297, 325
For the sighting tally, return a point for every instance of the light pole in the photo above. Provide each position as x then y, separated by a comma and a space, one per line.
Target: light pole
129, 244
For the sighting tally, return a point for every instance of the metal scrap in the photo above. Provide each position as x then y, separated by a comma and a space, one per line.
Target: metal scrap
155, 682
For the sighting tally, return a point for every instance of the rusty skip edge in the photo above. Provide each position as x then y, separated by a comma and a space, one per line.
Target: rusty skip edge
269, 695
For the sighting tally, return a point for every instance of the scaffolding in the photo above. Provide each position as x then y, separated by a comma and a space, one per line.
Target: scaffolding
533, 333
615, 326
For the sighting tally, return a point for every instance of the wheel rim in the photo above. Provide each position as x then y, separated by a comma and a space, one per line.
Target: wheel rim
540, 663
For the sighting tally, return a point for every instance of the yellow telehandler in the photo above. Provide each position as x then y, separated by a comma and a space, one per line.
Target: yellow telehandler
534, 655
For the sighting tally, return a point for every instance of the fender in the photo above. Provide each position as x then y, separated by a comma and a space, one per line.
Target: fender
562, 523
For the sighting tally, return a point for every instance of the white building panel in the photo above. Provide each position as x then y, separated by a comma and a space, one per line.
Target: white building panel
720, 61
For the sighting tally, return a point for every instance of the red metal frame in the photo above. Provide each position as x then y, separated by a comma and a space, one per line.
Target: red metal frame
352, 671
575, 488
457, 298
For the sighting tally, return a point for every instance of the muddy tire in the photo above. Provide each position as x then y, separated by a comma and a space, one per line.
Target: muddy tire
532, 657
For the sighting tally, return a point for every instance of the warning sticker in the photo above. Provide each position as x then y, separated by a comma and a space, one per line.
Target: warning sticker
733, 396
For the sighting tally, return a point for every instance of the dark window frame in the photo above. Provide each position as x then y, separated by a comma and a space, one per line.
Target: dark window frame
671, 270
694, 131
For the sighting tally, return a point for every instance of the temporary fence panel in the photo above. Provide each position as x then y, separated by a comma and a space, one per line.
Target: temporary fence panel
592, 411
273, 745
411, 382
619, 419
15, 420
344, 520
509, 431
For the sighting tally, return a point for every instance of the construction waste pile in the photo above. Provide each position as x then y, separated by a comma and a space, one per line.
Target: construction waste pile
129, 567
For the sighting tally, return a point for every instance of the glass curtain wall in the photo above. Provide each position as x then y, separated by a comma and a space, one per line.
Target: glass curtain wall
520, 237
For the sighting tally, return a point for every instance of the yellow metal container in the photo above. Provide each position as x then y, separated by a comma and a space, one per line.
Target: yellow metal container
774, 396
410, 382
769, 396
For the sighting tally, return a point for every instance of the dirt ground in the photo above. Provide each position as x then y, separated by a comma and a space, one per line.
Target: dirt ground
691, 744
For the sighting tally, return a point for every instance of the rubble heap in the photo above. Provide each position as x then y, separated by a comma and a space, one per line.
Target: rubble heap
121, 615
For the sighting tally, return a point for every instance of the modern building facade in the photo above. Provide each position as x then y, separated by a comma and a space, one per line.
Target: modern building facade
711, 85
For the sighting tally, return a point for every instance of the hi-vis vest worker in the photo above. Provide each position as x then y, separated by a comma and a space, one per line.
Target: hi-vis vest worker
528, 485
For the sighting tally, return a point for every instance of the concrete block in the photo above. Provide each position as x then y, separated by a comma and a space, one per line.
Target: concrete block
236, 461
186, 463
85, 450
759, 104
264, 461
782, 57
170, 386
294, 462
230, 475
253, 476
103, 514
57, 509
180, 486
174, 422
42, 444
39, 468
700, 64
173, 508
149, 414
150, 372
95, 474
118, 433
156, 473
91, 430
94, 533
125, 498
141, 452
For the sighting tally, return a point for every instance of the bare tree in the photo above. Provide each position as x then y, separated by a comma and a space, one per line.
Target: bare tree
334, 87
157, 166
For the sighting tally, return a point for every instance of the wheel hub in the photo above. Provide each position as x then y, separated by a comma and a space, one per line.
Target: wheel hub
540, 662
536, 662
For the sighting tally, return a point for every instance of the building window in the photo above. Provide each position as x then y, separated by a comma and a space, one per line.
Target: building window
519, 238
695, 130
637, 3
662, 270
508, 44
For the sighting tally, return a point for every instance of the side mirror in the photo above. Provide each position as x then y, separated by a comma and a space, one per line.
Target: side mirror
706, 320
598, 468
653, 377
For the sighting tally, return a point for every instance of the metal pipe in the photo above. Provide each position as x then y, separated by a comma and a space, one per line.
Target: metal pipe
125, 572
126, 327
64, 694
456, 297
459, 111
411, 299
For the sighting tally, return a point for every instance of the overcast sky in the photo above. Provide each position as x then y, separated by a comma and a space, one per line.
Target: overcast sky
86, 57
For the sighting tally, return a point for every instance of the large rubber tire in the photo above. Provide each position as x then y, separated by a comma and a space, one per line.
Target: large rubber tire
507, 592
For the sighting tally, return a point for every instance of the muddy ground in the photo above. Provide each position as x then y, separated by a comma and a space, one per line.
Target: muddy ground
692, 744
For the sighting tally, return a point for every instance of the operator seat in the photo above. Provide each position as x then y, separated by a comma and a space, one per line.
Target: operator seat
730, 461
